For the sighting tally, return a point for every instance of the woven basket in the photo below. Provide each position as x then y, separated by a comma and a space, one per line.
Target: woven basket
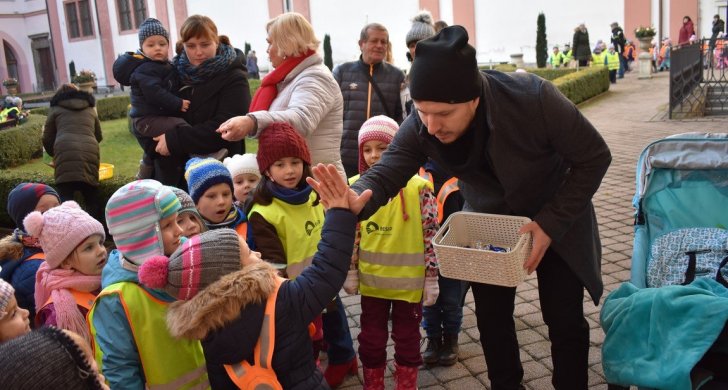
456, 241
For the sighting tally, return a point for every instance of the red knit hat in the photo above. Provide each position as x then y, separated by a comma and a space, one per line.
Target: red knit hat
378, 128
280, 140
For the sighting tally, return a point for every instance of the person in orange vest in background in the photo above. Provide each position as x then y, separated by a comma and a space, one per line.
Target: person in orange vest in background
663, 61
443, 320
653, 56
67, 282
20, 252
630, 53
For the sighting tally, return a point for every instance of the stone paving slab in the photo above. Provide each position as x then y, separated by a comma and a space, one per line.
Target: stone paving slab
629, 116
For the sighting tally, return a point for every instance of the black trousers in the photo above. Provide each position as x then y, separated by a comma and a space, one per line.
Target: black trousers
561, 295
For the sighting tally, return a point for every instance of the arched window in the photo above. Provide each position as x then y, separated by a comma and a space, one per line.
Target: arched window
11, 61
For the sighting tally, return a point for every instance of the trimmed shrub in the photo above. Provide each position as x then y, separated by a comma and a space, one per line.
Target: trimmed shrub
8, 181
551, 74
328, 59
22, 143
112, 107
541, 45
584, 84
39, 111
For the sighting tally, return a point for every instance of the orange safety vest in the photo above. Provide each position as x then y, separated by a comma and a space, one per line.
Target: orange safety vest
447, 189
242, 230
83, 299
260, 376
37, 256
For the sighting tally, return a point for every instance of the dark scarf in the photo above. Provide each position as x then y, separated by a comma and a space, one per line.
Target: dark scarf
291, 196
268, 90
192, 75
234, 218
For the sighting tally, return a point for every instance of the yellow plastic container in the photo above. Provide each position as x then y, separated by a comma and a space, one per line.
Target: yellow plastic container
106, 171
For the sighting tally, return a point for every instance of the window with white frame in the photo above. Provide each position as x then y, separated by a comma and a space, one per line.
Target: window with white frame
78, 18
131, 13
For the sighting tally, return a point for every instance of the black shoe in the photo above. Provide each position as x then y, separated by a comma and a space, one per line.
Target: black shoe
432, 352
449, 351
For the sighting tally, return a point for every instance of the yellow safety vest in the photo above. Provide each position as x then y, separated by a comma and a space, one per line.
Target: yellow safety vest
6, 112
298, 227
612, 60
168, 363
597, 59
392, 249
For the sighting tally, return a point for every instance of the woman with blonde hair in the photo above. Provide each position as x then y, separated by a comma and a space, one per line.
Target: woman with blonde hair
300, 91
214, 79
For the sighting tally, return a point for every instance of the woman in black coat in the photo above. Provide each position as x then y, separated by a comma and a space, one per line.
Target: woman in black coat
581, 47
214, 79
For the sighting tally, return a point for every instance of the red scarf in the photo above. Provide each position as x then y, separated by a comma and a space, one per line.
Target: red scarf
268, 91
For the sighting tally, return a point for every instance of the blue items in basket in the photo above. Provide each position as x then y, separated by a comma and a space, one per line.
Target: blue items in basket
489, 247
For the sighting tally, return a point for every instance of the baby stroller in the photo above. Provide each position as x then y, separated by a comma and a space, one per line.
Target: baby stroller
667, 328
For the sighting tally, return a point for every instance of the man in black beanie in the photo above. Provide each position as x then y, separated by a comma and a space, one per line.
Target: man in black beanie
519, 147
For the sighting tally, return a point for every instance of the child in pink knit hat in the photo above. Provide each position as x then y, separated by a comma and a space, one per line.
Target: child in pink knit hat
13, 319
68, 281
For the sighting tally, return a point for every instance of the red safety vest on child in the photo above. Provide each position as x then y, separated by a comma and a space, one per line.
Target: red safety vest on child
260, 376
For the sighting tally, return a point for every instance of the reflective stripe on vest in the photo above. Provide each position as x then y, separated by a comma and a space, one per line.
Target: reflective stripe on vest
260, 376
167, 363
83, 299
298, 227
392, 250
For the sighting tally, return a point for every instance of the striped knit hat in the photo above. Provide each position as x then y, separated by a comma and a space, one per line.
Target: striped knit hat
133, 214
203, 173
378, 128
6, 292
187, 205
199, 262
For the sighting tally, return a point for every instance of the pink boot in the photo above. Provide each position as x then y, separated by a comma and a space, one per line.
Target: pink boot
405, 378
374, 378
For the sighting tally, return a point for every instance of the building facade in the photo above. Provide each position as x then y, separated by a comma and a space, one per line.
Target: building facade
41, 38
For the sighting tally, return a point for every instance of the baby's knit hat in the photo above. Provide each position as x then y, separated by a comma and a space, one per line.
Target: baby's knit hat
280, 140
61, 229
151, 27
187, 205
242, 163
380, 128
445, 68
6, 292
203, 173
46, 358
23, 199
422, 28
196, 264
133, 214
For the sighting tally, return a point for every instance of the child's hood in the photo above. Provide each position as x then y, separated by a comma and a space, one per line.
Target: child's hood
125, 65
114, 272
221, 302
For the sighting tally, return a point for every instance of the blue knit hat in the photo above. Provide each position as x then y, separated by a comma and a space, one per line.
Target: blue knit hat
23, 199
133, 214
203, 173
151, 27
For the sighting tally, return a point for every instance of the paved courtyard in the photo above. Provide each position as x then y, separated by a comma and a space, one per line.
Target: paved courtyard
630, 115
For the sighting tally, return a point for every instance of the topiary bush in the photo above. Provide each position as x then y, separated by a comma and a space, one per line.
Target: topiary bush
584, 84
22, 143
114, 107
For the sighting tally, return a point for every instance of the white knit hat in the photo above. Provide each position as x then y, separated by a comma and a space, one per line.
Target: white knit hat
239, 164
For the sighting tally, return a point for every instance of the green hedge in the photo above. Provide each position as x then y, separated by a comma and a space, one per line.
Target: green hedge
584, 84
551, 74
108, 108
22, 143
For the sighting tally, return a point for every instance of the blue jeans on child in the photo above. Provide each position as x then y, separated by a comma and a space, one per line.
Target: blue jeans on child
446, 315
337, 335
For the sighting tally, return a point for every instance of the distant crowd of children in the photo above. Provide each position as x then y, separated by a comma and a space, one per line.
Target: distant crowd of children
235, 278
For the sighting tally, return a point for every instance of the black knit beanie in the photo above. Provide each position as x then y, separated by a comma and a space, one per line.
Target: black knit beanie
46, 359
445, 69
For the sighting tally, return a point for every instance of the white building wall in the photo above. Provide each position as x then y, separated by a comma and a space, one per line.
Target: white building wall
20, 28
85, 53
708, 9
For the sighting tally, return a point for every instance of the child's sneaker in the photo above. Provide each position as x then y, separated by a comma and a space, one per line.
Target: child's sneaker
219, 155
146, 171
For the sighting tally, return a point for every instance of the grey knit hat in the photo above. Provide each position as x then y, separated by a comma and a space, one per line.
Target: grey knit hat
196, 264
187, 205
47, 359
422, 28
151, 27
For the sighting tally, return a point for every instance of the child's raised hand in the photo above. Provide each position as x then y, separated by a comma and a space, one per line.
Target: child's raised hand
185, 105
333, 190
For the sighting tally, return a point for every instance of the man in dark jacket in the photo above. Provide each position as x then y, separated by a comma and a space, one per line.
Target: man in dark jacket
370, 87
519, 147
718, 27
619, 41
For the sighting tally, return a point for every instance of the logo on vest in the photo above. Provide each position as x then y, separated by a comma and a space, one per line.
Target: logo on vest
310, 226
353, 86
372, 227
